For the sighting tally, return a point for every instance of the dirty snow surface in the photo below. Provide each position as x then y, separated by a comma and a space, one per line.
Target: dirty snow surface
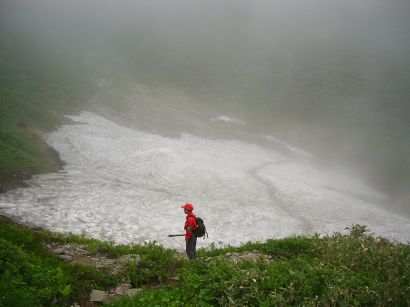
127, 186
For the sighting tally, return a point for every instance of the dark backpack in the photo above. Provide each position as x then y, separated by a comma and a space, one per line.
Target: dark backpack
201, 229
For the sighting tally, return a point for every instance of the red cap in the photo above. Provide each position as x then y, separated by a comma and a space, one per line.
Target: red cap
188, 206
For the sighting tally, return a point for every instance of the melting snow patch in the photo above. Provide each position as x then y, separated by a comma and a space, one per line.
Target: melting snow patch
127, 186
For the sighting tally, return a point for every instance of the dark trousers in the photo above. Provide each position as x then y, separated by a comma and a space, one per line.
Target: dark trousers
191, 247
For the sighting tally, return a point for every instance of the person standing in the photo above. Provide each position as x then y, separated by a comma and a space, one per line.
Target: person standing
190, 227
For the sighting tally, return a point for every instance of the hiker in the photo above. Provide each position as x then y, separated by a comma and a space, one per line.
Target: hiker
190, 227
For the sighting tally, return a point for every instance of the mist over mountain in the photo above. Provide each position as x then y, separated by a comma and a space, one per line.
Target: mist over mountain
330, 76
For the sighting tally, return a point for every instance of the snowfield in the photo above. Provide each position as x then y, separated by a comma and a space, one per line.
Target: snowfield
127, 186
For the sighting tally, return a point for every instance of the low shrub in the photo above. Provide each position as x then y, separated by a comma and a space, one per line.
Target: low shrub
343, 269
352, 269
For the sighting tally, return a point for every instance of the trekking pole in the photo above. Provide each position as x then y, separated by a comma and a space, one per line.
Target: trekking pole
177, 235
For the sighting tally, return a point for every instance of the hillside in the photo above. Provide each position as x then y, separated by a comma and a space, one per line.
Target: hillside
353, 269
36, 89
279, 119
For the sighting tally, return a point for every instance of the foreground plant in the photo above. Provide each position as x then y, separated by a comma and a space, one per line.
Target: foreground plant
343, 269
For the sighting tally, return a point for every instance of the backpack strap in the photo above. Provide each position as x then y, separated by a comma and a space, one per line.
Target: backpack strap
196, 223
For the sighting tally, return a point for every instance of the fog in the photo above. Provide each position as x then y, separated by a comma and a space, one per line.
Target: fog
332, 77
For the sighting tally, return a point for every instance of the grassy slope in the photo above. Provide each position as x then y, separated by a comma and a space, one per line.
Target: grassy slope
36, 89
354, 269
32, 276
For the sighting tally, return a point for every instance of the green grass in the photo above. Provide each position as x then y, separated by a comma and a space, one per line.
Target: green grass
32, 276
37, 87
286, 248
343, 269
156, 266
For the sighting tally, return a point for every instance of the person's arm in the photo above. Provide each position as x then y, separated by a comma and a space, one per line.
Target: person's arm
191, 223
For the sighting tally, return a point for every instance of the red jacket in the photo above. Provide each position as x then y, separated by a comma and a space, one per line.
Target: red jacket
190, 225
